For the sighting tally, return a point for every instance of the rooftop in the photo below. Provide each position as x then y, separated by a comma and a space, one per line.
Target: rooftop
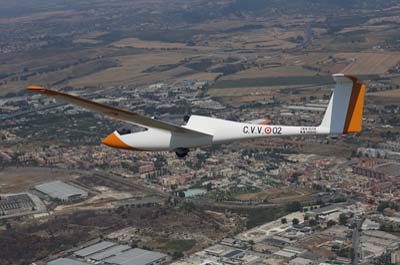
136, 256
94, 249
65, 261
60, 190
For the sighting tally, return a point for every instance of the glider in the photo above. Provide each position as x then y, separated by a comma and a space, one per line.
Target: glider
342, 116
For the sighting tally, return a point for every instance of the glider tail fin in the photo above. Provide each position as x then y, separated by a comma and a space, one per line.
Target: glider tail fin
345, 109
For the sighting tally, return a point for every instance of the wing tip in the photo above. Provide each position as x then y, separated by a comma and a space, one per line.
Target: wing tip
35, 88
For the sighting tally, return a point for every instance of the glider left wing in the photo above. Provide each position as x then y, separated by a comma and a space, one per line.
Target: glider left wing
115, 113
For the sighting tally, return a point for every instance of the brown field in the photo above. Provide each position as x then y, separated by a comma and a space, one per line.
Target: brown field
305, 59
369, 63
39, 16
86, 41
384, 19
270, 72
93, 34
385, 97
131, 70
221, 25
269, 38
137, 43
230, 100
198, 76
245, 91
22, 179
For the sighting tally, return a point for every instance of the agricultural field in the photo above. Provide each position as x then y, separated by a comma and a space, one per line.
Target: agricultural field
132, 68
369, 63
278, 71
389, 95
142, 44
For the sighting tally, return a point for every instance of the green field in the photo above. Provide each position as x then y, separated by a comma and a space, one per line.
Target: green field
180, 246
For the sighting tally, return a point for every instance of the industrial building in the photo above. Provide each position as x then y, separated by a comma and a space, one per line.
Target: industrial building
65, 261
137, 256
110, 253
16, 203
59, 190
20, 204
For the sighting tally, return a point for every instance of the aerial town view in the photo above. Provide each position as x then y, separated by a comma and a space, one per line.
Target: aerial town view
309, 197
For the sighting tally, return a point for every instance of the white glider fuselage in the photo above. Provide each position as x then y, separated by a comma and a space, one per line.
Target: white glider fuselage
217, 131
342, 116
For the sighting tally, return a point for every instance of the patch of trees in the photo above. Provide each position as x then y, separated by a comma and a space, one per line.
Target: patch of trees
293, 206
201, 65
229, 69
384, 205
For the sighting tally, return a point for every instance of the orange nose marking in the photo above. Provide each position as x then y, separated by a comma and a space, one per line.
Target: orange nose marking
114, 141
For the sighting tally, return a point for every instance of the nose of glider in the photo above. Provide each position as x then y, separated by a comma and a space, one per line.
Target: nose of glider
113, 140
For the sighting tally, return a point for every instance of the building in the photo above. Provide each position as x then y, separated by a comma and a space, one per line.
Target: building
59, 190
66, 261
137, 256
110, 253
300, 261
96, 248
16, 203
395, 257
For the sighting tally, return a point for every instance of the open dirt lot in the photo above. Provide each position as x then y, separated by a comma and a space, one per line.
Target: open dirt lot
21, 179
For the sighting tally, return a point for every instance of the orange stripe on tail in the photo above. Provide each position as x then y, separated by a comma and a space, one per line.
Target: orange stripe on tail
353, 123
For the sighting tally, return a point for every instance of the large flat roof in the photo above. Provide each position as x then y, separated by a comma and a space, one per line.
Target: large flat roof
136, 256
94, 249
113, 251
60, 190
65, 261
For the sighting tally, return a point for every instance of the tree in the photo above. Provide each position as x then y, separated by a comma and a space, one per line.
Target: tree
313, 222
295, 221
331, 223
293, 206
382, 206
177, 255
209, 186
343, 219
284, 221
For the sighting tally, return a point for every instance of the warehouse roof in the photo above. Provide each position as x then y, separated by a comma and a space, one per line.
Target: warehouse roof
136, 256
115, 250
65, 261
60, 190
94, 249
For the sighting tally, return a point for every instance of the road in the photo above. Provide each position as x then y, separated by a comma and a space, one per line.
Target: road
356, 241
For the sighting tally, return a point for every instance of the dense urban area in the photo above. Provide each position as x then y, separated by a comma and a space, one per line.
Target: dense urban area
66, 199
